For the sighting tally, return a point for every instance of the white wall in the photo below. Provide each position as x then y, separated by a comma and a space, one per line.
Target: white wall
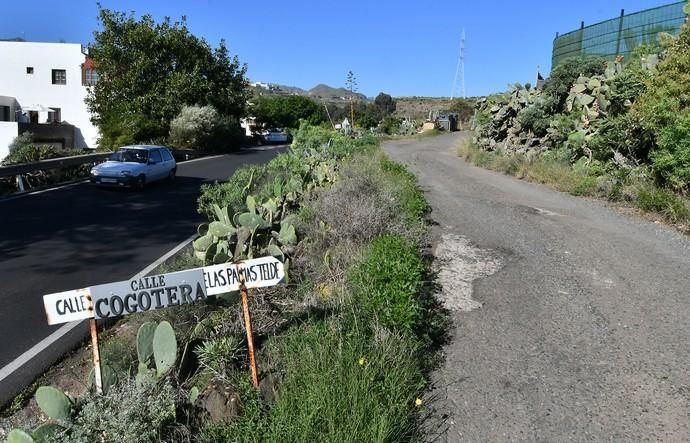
38, 89
8, 131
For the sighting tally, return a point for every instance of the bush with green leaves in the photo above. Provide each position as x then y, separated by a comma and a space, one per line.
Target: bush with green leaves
286, 112
387, 282
664, 110
150, 70
130, 412
203, 128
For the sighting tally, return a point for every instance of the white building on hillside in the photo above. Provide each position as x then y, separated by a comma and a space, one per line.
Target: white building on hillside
42, 91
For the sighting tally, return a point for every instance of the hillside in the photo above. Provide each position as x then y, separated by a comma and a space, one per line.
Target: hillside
320, 91
325, 91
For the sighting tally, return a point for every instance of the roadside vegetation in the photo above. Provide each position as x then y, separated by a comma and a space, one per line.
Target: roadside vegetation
343, 348
617, 130
23, 149
138, 96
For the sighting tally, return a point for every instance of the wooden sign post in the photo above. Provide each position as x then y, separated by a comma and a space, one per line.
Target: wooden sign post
163, 291
248, 328
96, 356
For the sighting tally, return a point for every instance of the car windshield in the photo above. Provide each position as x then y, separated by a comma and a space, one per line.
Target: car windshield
130, 155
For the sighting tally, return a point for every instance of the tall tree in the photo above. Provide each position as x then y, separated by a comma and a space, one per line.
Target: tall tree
148, 71
385, 104
286, 112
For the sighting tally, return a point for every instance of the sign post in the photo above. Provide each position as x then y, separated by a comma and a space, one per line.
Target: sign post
96, 356
248, 328
164, 291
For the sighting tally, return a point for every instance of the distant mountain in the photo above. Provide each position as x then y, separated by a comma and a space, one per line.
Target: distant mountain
322, 92
292, 90
325, 91
15, 39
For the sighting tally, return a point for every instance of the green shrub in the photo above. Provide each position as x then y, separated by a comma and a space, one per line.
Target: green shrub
624, 134
390, 125
286, 112
387, 282
564, 75
671, 160
203, 128
21, 141
537, 117
664, 110
232, 193
654, 199
127, 413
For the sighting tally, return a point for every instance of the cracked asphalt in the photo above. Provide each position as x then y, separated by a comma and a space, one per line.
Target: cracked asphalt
581, 334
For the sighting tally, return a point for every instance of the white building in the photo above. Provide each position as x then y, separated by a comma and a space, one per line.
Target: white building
42, 90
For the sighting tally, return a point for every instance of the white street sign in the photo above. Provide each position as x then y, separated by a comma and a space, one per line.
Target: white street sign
160, 291
148, 293
258, 273
63, 307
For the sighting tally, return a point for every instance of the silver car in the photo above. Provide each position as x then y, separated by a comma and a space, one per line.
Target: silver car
135, 166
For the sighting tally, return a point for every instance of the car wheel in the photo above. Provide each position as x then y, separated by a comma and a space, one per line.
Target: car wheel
171, 175
141, 182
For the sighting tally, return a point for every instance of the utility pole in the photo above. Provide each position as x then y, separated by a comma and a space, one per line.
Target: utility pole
460, 69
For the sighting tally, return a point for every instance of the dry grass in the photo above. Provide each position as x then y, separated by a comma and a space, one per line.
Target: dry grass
559, 174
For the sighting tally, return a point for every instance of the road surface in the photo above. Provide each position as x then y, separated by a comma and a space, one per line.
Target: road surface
78, 236
571, 320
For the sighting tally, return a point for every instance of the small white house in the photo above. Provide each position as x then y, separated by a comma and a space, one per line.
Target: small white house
42, 90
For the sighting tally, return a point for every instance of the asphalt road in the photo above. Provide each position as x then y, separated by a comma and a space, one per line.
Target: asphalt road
79, 236
583, 333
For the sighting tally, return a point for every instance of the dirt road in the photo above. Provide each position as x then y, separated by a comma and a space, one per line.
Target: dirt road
571, 320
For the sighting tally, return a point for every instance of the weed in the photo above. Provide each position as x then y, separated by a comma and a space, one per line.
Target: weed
387, 282
583, 179
340, 385
668, 204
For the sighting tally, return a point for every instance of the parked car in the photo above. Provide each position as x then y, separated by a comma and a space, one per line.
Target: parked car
275, 136
135, 167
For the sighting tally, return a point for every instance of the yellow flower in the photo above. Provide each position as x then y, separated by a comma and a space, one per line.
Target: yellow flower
418, 402
362, 361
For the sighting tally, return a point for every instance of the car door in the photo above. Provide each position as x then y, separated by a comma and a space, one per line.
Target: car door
168, 160
156, 164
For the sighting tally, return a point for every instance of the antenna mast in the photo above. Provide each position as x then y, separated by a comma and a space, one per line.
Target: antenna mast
460, 70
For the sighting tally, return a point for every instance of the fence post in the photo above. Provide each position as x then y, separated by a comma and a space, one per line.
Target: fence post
20, 182
582, 36
620, 32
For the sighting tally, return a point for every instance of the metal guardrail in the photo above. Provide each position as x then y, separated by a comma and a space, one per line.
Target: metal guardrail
53, 163
19, 170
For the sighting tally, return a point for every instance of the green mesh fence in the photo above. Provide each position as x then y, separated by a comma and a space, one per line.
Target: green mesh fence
619, 35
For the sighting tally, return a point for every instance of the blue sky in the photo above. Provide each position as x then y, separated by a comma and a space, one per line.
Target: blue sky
400, 47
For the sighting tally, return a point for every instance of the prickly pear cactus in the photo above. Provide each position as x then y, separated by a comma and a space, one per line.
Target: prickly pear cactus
108, 378
54, 403
46, 431
164, 348
19, 436
145, 342
590, 95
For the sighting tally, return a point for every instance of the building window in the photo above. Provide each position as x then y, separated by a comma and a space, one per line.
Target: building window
5, 114
54, 115
59, 77
29, 69
90, 77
